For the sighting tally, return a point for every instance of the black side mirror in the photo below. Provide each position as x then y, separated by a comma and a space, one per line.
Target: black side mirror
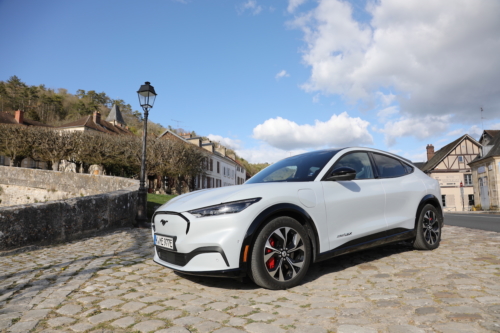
342, 173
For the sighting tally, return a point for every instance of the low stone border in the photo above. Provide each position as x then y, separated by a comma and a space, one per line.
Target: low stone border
55, 221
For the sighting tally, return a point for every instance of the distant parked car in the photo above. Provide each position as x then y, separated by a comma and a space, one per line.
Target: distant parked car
302, 209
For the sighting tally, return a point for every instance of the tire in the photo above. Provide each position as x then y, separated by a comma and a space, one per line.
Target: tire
281, 254
429, 226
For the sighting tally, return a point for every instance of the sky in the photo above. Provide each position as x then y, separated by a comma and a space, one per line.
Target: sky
274, 78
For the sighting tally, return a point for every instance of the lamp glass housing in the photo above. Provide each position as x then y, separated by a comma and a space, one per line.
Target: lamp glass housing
146, 95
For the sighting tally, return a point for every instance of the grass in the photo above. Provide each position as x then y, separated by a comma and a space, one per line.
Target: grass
157, 200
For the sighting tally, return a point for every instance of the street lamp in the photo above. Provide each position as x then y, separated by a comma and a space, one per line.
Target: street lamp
147, 97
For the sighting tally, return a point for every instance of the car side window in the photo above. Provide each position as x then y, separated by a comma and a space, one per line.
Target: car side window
357, 161
409, 168
389, 167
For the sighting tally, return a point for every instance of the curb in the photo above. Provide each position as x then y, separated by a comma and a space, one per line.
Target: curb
476, 212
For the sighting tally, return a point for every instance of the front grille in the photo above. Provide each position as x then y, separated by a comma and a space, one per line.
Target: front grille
174, 258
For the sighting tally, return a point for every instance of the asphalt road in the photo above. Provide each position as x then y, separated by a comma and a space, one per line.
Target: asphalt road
488, 222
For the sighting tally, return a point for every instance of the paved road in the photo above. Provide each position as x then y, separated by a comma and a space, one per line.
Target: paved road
488, 222
110, 284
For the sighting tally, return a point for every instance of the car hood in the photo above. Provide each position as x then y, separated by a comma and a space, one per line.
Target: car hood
210, 197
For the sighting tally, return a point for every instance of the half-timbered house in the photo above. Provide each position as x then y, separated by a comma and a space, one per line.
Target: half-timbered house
450, 166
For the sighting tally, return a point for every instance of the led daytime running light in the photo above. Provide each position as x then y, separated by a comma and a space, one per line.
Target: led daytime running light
225, 208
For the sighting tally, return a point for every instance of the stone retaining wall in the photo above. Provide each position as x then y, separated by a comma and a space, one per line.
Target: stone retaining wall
109, 202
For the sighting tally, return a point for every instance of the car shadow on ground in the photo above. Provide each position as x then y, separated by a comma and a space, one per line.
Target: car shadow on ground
317, 270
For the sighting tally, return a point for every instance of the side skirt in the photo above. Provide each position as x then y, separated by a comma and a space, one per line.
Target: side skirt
395, 235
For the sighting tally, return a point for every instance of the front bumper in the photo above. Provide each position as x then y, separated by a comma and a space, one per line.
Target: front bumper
201, 245
225, 273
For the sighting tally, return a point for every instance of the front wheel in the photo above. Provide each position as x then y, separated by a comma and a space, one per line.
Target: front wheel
281, 254
428, 229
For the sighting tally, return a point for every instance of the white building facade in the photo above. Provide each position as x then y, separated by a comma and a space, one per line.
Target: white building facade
221, 169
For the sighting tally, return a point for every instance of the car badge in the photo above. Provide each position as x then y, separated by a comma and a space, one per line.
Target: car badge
163, 222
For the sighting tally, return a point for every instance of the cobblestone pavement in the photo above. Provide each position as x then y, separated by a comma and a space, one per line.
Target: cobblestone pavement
109, 283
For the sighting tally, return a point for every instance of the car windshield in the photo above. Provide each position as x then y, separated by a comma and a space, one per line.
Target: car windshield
300, 168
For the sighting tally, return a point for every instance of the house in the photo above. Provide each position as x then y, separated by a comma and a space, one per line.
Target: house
450, 166
114, 124
19, 119
486, 171
222, 169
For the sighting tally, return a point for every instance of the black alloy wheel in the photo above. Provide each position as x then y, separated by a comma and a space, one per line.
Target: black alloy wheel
428, 229
281, 254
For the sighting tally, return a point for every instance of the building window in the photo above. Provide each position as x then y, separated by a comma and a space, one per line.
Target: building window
443, 198
218, 167
467, 179
211, 165
460, 158
2, 160
471, 199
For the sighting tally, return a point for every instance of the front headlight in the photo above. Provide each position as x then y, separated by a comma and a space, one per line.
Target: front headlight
225, 208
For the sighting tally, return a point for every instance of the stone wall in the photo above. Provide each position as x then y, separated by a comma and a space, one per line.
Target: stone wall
108, 202
11, 195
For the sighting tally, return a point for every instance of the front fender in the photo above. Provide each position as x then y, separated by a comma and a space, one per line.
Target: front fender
429, 198
284, 209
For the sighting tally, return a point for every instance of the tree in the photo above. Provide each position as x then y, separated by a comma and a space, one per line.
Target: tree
53, 146
16, 142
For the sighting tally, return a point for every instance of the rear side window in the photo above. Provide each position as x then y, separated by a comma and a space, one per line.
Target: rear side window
409, 168
389, 167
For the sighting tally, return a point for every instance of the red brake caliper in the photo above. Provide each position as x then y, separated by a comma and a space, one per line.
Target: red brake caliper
271, 263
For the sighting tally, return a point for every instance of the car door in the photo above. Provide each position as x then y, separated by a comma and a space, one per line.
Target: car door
354, 208
403, 190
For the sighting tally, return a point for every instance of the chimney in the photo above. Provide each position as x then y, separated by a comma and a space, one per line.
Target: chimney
97, 117
19, 116
186, 135
208, 146
221, 150
430, 151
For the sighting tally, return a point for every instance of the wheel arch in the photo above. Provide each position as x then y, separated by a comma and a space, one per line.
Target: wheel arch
429, 199
284, 209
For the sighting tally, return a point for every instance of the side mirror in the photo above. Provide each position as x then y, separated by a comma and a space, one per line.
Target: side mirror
342, 173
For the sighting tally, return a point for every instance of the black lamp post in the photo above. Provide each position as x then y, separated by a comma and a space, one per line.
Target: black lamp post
147, 97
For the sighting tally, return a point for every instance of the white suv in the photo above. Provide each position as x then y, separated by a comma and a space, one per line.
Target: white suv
302, 209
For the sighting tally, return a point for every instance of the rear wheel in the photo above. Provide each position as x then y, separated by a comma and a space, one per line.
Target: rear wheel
281, 254
428, 229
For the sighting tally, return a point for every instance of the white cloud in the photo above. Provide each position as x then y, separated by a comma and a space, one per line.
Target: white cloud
340, 130
385, 99
293, 4
421, 128
226, 142
250, 5
419, 157
316, 98
457, 132
475, 132
281, 74
437, 57
266, 154
387, 113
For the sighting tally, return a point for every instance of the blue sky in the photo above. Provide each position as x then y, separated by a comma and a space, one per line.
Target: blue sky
273, 78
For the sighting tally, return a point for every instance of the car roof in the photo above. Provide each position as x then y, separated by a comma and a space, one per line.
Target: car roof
357, 148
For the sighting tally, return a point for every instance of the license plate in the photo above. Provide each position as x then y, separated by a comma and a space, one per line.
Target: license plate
166, 242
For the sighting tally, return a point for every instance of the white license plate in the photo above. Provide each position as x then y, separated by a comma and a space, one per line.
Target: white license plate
166, 242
